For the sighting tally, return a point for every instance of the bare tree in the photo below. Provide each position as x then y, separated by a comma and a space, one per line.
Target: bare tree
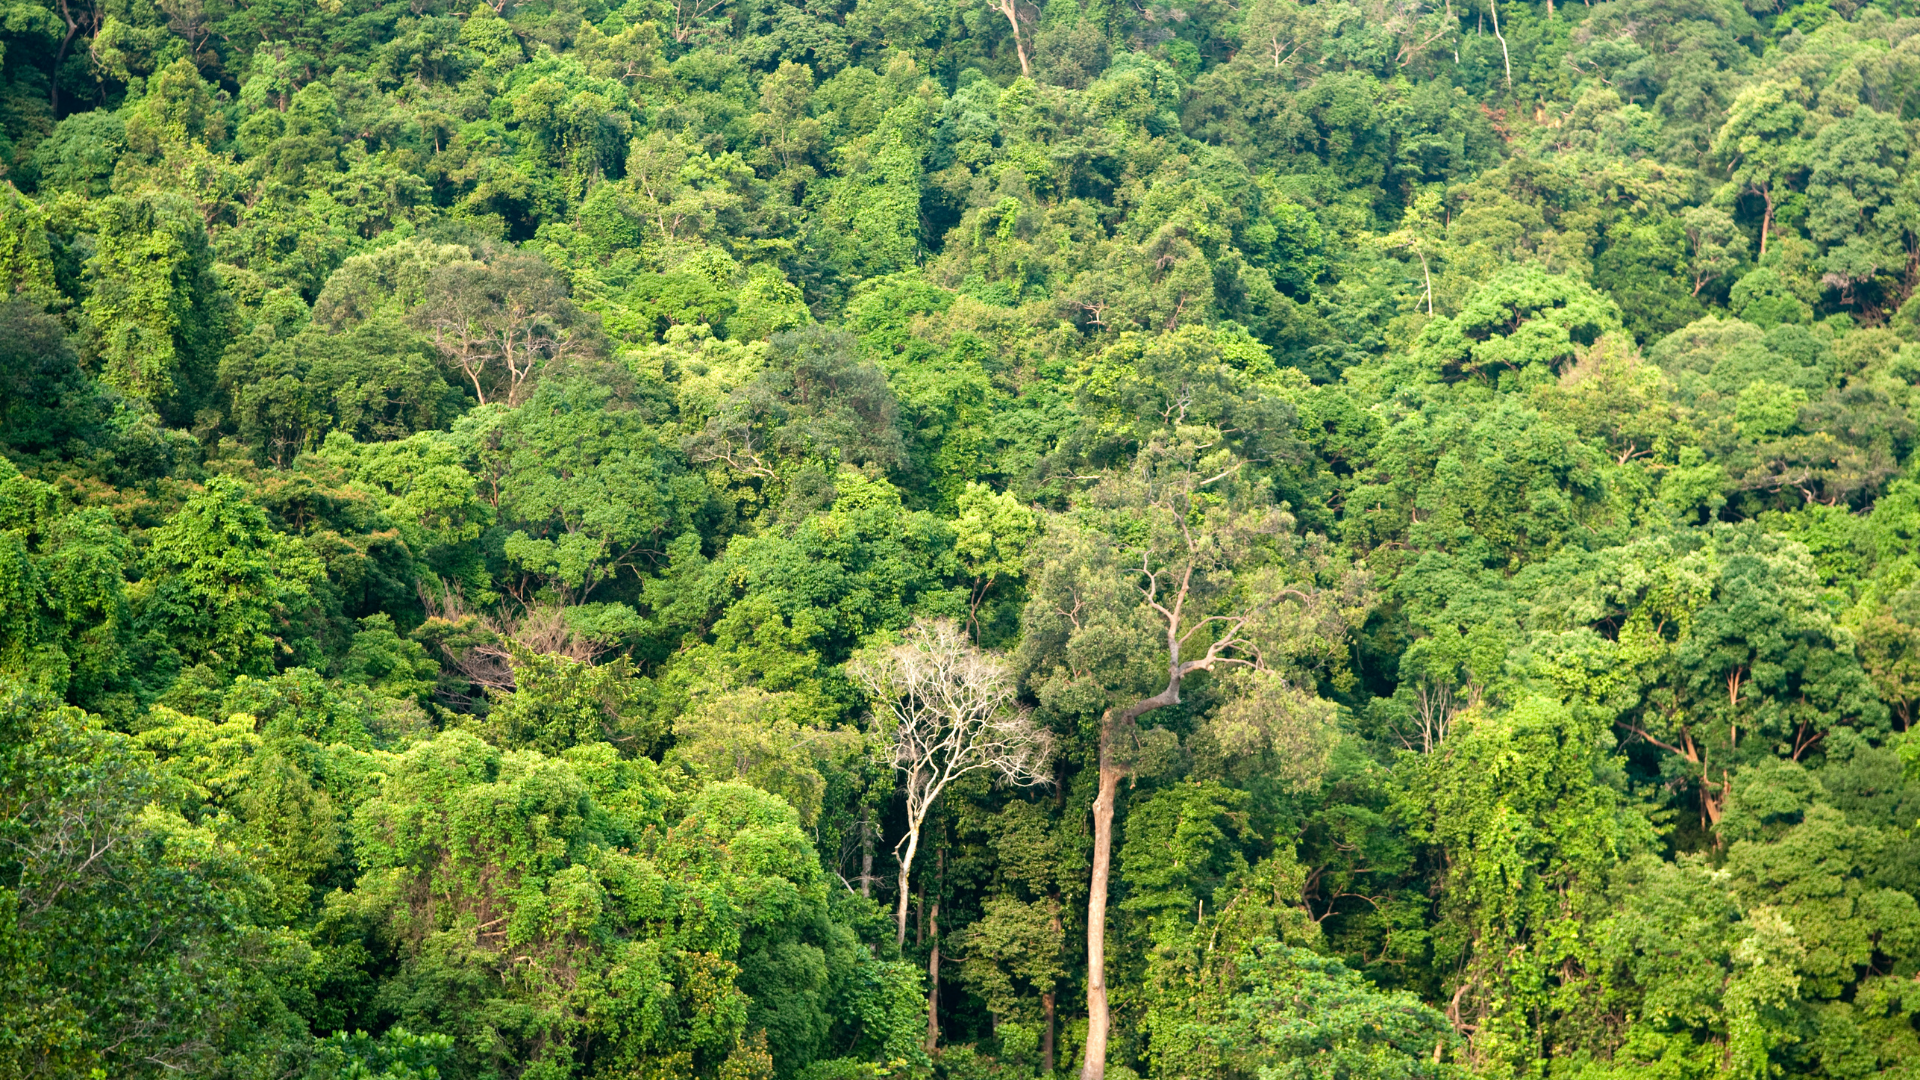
690, 18
951, 710
1434, 710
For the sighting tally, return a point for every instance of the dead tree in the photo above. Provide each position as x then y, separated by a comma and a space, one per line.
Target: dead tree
949, 710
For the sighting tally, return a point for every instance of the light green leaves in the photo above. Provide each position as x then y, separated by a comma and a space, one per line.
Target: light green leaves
220, 580
154, 302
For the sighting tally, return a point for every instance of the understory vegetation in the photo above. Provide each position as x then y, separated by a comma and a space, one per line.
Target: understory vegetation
977, 539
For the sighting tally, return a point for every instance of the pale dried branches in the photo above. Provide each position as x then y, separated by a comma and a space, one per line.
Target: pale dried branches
480, 646
950, 711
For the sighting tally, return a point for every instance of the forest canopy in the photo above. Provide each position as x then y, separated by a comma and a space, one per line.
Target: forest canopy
959, 539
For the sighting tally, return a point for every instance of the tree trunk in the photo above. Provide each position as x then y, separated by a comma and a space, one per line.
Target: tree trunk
1095, 1067
1504, 58
866, 852
473, 373
1011, 10
906, 868
59, 58
933, 968
1047, 1005
1113, 725
1766, 222
1046, 1034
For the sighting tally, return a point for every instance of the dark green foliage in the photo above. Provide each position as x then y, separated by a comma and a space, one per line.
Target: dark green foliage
47, 404
124, 929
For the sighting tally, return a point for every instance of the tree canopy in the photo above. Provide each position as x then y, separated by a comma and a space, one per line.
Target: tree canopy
858, 539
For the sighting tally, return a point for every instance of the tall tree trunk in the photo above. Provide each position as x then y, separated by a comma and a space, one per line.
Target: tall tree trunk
1504, 58
906, 868
1010, 8
1047, 1005
866, 852
60, 56
58, 59
1049, 1001
1046, 1034
1095, 1066
933, 964
1766, 222
1118, 723
1112, 725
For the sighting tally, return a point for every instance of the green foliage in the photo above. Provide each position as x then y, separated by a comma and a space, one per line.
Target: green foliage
1520, 804
219, 582
579, 914
588, 484
128, 931
1520, 324
1305, 1016
67, 628
153, 301
558, 703
453, 453
398, 1054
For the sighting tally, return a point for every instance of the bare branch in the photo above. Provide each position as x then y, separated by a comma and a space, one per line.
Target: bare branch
950, 710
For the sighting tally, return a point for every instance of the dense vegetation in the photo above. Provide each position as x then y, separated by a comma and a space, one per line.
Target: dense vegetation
818, 540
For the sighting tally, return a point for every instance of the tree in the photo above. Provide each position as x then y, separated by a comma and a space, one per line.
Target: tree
499, 323
1302, 1016
872, 217
395, 279
123, 925
1175, 567
765, 739
1419, 231
1012, 954
1759, 144
586, 486
1529, 835
1733, 661
558, 702
682, 193
219, 581
155, 307
1717, 244
26, 258
1522, 319
788, 135
948, 713
815, 405
1010, 10
65, 626
991, 535
1855, 169
573, 910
